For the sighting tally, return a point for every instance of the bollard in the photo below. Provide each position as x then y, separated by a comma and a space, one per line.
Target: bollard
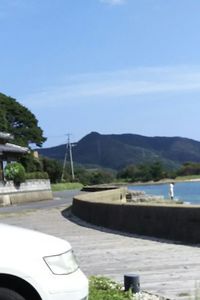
132, 281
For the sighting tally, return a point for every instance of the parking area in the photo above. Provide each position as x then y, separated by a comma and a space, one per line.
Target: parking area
164, 268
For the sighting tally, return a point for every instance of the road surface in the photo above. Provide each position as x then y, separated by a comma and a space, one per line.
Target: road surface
165, 268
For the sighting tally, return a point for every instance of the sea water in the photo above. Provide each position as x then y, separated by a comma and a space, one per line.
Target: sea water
186, 191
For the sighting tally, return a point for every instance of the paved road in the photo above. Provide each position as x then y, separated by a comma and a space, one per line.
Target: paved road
164, 268
60, 199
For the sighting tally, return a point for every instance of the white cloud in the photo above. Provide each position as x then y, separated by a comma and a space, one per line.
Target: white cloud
113, 2
87, 88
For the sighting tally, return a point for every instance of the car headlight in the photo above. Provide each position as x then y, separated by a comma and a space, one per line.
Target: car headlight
62, 264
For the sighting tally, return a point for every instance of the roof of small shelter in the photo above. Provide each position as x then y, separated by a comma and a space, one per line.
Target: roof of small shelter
8, 148
6, 136
11, 148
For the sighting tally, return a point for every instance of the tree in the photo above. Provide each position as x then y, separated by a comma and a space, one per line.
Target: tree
53, 168
143, 172
20, 122
189, 168
30, 163
128, 173
3, 121
157, 171
83, 175
101, 177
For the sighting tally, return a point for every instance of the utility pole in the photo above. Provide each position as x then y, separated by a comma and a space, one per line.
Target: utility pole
71, 160
64, 162
68, 150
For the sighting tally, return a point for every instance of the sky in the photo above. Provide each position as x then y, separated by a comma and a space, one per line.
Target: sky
110, 66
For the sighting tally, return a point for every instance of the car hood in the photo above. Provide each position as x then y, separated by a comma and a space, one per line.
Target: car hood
24, 241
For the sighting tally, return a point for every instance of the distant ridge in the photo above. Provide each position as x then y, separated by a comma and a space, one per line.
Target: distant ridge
116, 151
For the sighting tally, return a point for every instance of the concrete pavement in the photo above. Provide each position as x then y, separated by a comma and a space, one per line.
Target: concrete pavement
165, 268
63, 198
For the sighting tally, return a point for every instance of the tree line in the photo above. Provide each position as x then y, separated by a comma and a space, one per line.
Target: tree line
54, 169
132, 173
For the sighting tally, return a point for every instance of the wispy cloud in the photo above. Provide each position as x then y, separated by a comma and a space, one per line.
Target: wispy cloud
113, 2
102, 86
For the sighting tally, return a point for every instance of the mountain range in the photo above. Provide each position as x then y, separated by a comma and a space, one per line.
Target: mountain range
116, 151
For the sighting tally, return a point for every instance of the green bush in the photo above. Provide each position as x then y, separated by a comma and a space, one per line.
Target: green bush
30, 163
103, 288
53, 168
16, 172
37, 175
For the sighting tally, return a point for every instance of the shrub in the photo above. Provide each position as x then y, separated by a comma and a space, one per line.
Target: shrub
37, 175
103, 288
16, 172
30, 163
53, 168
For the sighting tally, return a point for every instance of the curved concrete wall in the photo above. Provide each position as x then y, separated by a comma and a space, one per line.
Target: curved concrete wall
173, 222
113, 195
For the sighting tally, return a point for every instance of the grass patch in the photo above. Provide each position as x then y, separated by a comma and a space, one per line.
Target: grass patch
188, 177
66, 186
103, 288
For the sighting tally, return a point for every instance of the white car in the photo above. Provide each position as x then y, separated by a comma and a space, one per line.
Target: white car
37, 266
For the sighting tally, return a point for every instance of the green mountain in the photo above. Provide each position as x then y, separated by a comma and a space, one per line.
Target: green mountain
116, 151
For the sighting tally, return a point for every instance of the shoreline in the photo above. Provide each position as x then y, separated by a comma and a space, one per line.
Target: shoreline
177, 200
163, 181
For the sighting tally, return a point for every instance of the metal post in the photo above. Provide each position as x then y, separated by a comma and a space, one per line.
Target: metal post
132, 281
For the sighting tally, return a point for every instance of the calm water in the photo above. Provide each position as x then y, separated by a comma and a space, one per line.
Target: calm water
185, 191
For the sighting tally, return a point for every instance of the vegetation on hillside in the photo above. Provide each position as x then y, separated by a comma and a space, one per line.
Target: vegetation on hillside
120, 150
132, 173
54, 169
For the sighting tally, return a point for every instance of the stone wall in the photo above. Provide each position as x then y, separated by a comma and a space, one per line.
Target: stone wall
31, 190
173, 222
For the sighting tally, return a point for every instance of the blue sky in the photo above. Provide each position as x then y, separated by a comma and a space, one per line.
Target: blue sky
111, 66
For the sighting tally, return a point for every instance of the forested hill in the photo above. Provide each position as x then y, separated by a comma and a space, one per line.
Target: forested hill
116, 151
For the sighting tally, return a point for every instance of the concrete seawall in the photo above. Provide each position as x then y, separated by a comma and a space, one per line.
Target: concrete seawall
31, 190
109, 209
